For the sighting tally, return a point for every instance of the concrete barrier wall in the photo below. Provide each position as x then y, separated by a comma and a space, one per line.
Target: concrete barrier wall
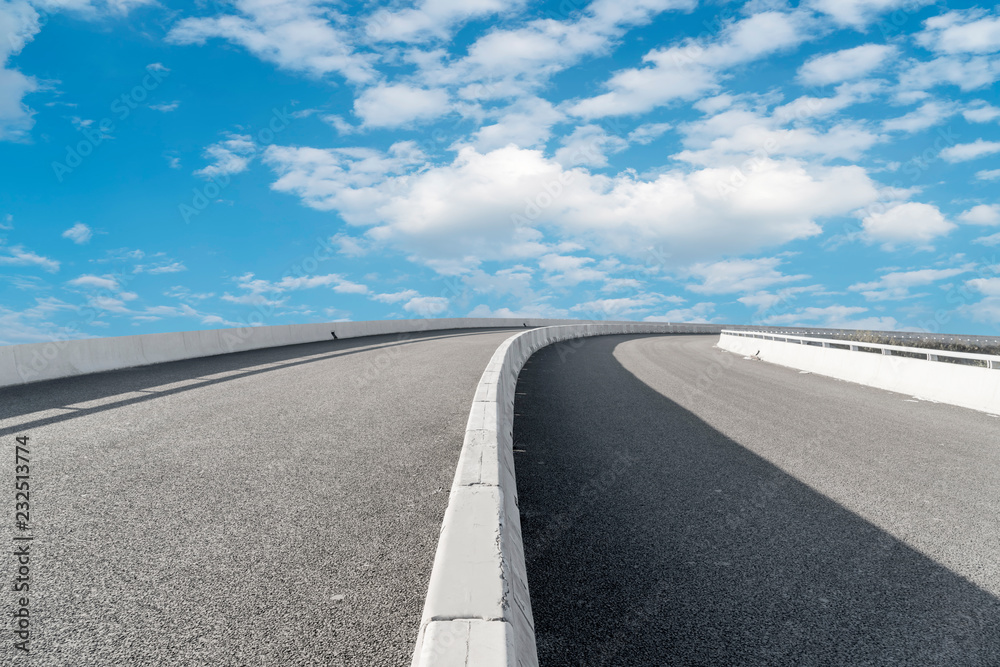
35, 362
967, 386
478, 611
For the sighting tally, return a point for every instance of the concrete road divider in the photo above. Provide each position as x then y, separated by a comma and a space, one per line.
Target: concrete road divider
478, 611
926, 373
35, 362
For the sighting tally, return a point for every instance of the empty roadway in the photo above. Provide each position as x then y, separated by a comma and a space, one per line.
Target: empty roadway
682, 505
273, 507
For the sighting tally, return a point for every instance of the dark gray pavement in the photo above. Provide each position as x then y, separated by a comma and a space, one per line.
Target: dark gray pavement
275, 507
684, 506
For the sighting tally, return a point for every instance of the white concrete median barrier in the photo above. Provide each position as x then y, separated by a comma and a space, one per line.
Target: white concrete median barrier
478, 610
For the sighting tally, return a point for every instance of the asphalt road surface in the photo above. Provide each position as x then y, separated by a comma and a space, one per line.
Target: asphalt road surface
274, 507
682, 505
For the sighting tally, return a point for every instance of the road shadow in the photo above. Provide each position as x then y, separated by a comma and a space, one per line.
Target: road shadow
653, 539
19, 400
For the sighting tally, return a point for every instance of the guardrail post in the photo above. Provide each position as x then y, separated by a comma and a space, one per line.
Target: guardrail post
826, 345
886, 352
932, 357
993, 364
854, 348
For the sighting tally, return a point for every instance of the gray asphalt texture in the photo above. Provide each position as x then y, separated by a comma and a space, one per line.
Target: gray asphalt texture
682, 505
275, 507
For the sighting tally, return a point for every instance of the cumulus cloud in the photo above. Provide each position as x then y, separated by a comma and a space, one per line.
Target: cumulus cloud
859, 13
833, 317
297, 35
433, 19
928, 115
739, 275
518, 61
426, 306
983, 214
78, 233
395, 105
478, 204
230, 156
896, 285
699, 312
845, 65
907, 223
689, 70
966, 152
969, 31
19, 23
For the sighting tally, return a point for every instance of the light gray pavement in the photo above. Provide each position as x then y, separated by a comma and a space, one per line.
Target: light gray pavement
684, 506
274, 507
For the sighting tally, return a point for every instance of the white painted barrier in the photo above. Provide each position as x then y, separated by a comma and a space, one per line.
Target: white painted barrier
928, 378
35, 362
478, 611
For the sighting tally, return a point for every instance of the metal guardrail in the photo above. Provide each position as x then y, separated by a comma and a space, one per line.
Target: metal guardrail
991, 361
819, 332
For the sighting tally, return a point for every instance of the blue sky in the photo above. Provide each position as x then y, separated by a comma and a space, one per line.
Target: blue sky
168, 166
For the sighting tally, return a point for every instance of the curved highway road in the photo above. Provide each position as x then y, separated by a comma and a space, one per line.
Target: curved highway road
274, 507
682, 505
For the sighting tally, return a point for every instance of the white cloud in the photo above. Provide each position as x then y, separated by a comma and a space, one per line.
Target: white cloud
588, 146
896, 285
518, 61
479, 205
981, 112
19, 23
426, 306
78, 233
648, 132
338, 283
527, 123
692, 69
961, 32
965, 152
173, 267
293, 34
7, 222
739, 275
621, 284
433, 19
621, 308
845, 65
700, 312
396, 297
400, 104
230, 156
983, 214
907, 223
988, 175
833, 317
165, 107
991, 240
928, 115
986, 286
569, 271
99, 282
858, 13
19, 256
966, 72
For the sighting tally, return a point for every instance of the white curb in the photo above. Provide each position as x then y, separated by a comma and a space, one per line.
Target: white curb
478, 611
